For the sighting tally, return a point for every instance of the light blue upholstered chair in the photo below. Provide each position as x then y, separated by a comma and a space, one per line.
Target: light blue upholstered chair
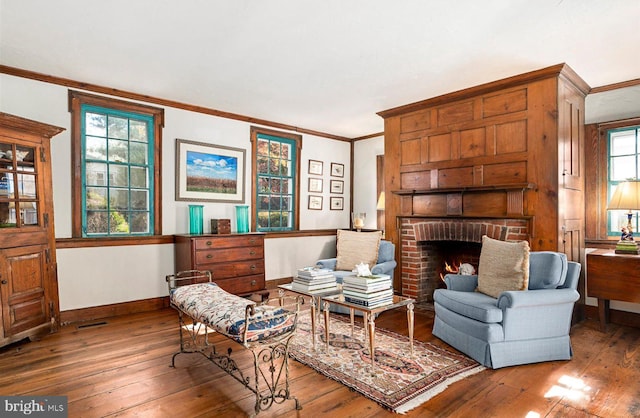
518, 327
386, 264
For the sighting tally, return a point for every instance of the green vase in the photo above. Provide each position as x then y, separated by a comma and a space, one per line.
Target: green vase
195, 219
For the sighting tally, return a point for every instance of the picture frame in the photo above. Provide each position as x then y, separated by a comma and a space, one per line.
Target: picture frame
209, 173
315, 202
336, 203
337, 170
315, 185
315, 167
336, 186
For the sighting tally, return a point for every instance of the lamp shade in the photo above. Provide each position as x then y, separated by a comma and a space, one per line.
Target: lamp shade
626, 196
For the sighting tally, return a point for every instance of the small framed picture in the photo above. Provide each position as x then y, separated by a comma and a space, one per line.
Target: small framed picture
315, 185
315, 167
315, 202
337, 170
336, 203
336, 186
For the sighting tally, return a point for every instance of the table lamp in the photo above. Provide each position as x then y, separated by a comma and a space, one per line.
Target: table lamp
626, 197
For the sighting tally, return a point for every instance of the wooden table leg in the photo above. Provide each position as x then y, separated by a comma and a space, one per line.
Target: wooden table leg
410, 325
603, 313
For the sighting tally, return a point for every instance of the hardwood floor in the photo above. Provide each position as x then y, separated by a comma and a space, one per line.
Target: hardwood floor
120, 367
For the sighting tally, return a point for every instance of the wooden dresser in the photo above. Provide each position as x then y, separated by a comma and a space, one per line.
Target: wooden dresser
236, 261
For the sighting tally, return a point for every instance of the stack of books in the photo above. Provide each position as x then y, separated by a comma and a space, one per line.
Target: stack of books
311, 279
369, 291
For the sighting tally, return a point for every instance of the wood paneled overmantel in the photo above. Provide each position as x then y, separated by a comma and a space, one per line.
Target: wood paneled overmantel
512, 148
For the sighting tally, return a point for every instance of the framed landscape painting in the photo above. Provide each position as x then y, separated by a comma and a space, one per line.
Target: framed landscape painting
209, 173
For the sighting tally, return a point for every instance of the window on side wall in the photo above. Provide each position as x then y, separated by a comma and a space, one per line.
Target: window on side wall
623, 145
276, 185
116, 158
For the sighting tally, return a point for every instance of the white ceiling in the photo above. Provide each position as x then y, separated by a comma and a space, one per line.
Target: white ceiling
324, 65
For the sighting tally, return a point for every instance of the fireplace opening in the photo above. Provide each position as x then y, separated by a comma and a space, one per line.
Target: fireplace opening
453, 253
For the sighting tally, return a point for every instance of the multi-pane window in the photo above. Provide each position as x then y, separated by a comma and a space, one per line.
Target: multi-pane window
624, 164
276, 178
117, 172
116, 149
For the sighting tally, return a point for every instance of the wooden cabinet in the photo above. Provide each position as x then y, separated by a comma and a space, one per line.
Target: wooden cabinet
612, 276
236, 261
28, 270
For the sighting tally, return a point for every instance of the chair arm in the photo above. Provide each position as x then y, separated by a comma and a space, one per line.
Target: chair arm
384, 267
327, 263
541, 297
461, 282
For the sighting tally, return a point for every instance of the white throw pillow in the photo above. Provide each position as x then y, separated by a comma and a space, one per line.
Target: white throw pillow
503, 266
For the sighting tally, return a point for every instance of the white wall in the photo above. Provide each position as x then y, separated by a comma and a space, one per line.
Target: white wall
365, 198
104, 275
605, 107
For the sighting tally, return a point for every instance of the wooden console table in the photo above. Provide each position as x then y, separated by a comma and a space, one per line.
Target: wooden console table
612, 276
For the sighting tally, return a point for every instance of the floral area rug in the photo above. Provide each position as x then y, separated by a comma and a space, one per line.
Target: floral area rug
399, 382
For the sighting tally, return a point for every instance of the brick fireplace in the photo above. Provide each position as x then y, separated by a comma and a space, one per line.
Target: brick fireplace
427, 243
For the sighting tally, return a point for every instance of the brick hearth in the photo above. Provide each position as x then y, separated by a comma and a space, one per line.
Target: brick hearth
421, 262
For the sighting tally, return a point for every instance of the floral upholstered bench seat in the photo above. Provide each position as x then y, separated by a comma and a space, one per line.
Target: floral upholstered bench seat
229, 314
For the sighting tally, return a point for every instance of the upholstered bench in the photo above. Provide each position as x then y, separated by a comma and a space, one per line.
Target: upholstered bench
265, 329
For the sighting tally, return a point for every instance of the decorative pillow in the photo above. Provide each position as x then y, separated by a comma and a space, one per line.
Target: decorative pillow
503, 266
357, 247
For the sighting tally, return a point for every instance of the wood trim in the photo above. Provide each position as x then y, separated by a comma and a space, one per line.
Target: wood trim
32, 75
169, 239
294, 234
113, 242
116, 309
553, 71
615, 86
374, 135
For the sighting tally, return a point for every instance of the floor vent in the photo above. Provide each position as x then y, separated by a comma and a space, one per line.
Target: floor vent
92, 325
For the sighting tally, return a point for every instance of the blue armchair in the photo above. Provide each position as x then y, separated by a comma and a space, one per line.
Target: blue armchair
385, 264
518, 327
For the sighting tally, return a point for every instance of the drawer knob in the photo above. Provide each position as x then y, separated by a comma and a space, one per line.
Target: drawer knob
252, 240
5, 282
253, 267
253, 283
209, 256
209, 243
252, 252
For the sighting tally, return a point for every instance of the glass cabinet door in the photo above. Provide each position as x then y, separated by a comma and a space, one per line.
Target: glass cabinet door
19, 200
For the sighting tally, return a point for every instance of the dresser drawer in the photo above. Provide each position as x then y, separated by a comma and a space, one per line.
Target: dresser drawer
240, 268
242, 285
229, 254
233, 241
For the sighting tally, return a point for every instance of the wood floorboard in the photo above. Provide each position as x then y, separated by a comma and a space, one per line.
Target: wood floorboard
121, 369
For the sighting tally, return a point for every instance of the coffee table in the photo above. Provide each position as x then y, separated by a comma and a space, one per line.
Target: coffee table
315, 296
369, 316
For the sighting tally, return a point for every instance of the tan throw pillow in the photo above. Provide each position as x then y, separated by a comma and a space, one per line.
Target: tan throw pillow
503, 266
357, 247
